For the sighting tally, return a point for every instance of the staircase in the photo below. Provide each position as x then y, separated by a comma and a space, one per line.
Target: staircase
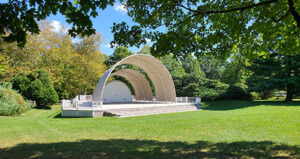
130, 112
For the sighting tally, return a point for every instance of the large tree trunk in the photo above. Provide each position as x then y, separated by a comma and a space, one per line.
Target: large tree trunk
289, 87
289, 92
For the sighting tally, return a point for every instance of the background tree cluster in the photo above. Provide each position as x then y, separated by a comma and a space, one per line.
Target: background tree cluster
74, 68
212, 78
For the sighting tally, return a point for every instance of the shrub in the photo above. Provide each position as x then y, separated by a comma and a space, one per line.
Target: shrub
5, 84
210, 90
236, 92
198, 86
36, 86
254, 96
12, 103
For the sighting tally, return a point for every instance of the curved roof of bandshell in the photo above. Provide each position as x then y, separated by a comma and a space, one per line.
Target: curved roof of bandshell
157, 72
138, 81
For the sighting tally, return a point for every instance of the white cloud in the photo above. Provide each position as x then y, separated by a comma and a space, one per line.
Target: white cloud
107, 46
120, 8
58, 27
148, 40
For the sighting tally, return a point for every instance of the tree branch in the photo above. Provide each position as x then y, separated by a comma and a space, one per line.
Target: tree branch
281, 18
242, 8
294, 12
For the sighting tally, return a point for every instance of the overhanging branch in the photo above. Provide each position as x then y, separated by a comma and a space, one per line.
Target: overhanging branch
242, 8
294, 12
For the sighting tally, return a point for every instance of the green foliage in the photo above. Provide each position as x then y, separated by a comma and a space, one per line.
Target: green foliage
211, 66
192, 85
254, 96
211, 89
12, 103
212, 27
36, 86
5, 84
192, 65
235, 70
279, 72
74, 68
20, 17
236, 92
118, 54
173, 65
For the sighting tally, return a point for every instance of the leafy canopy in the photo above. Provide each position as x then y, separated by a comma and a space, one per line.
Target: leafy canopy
20, 16
183, 27
175, 26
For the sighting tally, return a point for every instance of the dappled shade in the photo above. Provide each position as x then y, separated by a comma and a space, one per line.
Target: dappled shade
121, 148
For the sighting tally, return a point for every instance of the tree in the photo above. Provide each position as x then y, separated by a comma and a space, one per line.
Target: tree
211, 66
190, 80
145, 50
277, 72
235, 70
197, 86
190, 27
36, 86
19, 17
173, 65
212, 27
192, 65
74, 68
118, 54
89, 63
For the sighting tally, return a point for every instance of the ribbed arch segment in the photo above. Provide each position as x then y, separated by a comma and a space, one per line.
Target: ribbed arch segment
157, 72
138, 81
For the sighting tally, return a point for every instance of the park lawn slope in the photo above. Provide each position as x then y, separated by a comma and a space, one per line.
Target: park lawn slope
238, 129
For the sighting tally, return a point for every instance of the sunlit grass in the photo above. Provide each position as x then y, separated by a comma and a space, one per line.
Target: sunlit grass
233, 124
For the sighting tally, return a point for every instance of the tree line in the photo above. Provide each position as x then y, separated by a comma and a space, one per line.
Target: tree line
75, 67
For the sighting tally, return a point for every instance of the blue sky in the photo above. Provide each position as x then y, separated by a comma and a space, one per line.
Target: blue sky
103, 23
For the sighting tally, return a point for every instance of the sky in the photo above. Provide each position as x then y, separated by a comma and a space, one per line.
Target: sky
102, 23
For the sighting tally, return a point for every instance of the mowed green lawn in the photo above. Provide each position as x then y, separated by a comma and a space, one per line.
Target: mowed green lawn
225, 129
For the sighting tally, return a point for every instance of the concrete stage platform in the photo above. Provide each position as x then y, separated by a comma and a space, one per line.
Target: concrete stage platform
130, 109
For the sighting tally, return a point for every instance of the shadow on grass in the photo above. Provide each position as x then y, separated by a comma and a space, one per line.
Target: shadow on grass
236, 104
119, 148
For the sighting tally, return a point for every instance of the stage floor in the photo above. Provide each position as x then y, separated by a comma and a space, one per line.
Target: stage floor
140, 105
129, 109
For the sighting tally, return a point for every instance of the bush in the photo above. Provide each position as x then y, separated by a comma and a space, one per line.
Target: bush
237, 92
210, 90
197, 86
12, 103
36, 86
5, 84
254, 96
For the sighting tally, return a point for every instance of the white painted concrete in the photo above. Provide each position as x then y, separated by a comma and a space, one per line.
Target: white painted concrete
116, 91
141, 105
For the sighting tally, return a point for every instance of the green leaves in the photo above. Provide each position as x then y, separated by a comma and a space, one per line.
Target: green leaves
215, 27
19, 17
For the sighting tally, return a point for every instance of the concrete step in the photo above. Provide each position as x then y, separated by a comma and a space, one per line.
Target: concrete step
130, 112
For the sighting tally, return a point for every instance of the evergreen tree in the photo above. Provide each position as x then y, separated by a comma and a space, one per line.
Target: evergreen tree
36, 86
281, 72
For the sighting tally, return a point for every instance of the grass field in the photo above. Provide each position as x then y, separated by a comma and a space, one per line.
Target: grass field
225, 129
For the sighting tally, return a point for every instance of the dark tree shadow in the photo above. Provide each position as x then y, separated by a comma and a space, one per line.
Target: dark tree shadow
119, 148
230, 105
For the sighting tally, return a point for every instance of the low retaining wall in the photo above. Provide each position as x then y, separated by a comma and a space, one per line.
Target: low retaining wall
81, 113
